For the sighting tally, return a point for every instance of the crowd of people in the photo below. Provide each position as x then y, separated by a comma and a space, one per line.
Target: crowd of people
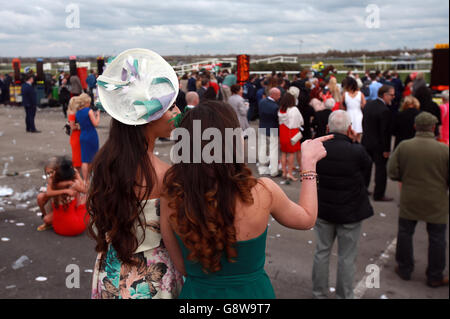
198, 230
211, 221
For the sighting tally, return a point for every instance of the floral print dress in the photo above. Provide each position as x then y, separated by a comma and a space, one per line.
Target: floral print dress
155, 275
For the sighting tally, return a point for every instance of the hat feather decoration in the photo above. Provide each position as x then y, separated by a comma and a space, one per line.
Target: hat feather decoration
140, 87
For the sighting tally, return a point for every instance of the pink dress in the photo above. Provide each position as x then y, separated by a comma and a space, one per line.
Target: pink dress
444, 117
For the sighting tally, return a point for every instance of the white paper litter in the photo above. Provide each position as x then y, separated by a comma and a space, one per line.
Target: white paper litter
27, 174
278, 235
88, 270
29, 194
382, 215
310, 242
384, 297
332, 289
5, 169
41, 278
5, 239
10, 287
20, 224
21, 262
364, 234
39, 214
5, 190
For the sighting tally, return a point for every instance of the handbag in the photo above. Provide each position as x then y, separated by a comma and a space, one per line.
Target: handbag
297, 137
67, 129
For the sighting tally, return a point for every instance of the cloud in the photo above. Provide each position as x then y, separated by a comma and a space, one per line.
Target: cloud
39, 28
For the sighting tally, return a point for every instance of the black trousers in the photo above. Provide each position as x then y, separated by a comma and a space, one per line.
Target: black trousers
437, 245
30, 113
380, 173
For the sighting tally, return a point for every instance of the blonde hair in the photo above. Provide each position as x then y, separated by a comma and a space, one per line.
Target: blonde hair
334, 89
84, 101
410, 100
73, 104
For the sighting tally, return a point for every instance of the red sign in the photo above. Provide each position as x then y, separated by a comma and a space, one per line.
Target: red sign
243, 68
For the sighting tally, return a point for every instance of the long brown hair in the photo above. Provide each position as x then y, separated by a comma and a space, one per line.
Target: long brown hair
287, 101
204, 194
120, 170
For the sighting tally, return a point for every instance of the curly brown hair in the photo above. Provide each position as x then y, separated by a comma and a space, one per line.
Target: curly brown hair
204, 195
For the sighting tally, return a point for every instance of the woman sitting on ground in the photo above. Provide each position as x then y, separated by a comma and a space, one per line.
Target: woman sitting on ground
66, 189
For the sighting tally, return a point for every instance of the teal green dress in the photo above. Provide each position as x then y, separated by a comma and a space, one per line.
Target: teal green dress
243, 279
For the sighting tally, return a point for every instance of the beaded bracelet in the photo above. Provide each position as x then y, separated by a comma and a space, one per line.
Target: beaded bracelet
309, 176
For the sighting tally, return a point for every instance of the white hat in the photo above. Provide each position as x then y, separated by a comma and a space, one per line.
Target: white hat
137, 87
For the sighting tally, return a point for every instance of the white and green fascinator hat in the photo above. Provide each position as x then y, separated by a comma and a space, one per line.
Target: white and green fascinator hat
137, 87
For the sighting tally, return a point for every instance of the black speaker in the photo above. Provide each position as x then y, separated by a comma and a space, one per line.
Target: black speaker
439, 70
73, 66
100, 65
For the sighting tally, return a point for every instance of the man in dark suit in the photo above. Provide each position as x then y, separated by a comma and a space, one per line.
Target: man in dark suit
377, 138
250, 95
29, 103
268, 119
205, 84
192, 82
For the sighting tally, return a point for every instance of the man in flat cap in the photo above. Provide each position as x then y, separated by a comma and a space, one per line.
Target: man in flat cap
421, 164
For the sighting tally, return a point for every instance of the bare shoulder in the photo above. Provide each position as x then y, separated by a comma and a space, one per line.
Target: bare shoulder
265, 190
266, 183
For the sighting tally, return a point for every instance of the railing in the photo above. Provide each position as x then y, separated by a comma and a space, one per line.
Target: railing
276, 59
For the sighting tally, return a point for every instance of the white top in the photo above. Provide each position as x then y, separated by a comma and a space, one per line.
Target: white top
292, 118
152, 228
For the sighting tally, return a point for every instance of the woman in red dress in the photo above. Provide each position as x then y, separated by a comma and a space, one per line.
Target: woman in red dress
290, 120
75, 133
70, 217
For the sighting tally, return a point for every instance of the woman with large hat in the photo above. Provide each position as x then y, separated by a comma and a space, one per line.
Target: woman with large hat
138, 89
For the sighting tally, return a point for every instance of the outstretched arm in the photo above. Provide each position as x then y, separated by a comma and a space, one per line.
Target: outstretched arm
302, 215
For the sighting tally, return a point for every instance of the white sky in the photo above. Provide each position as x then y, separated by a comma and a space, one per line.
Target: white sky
39, 28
